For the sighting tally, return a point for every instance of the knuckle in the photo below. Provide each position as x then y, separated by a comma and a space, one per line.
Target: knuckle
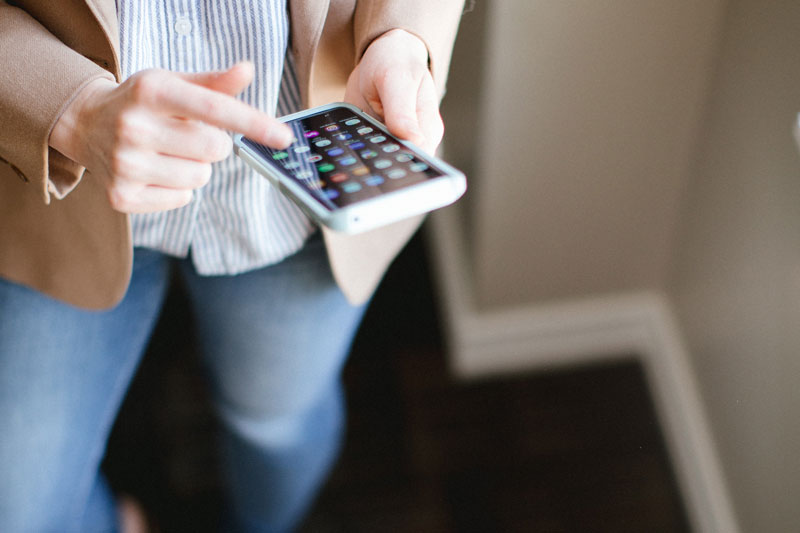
217, 146
438, 128
129, 130
117, 164
225, 147
192, 175
436, 134
120, 164
183, 198
120, 199
146, 86
203, 175
383, 79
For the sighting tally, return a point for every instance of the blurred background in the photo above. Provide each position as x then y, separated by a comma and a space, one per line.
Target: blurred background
603, 334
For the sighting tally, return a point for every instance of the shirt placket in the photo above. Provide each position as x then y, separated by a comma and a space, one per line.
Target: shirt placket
184, 29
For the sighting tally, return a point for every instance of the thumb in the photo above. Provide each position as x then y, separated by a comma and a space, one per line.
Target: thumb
398, 94
231, 81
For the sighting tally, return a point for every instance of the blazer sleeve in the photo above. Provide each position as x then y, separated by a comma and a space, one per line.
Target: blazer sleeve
435, 22
39, 77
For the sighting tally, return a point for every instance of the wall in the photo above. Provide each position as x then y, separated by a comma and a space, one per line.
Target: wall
635, 185
737, 281
580, 140
578, 124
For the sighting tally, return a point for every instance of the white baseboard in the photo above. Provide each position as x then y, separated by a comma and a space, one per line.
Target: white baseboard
641, 325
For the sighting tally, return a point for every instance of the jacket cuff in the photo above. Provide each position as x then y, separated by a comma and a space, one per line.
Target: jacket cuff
39, 77
62, 173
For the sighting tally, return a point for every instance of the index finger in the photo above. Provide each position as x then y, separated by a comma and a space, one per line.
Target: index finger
188, 100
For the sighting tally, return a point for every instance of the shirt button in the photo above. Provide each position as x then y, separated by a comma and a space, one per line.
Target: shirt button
183, 26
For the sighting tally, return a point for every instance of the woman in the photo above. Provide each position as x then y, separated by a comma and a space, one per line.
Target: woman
115, 170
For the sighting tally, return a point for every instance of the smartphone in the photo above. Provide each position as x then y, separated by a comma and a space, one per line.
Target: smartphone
347, 172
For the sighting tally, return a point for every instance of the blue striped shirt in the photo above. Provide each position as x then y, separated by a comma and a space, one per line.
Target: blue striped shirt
238, 221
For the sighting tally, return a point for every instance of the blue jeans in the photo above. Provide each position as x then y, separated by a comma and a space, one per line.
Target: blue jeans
274, 341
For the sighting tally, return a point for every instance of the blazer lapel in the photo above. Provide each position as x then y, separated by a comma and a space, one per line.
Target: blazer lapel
307, 22
105, 11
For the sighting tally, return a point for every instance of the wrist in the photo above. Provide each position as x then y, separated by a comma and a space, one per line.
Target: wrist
401, 39
67, 135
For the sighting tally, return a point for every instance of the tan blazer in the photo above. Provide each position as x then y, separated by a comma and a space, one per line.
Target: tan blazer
58, 233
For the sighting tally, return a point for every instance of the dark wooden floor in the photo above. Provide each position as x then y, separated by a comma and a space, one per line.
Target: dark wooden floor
575, 450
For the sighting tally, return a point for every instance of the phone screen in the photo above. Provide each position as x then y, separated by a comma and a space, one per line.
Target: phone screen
342, 158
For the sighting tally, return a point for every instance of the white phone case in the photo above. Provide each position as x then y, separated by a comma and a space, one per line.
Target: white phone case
366, 214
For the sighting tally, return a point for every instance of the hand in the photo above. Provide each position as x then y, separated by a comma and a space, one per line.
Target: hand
392, 82
152, 139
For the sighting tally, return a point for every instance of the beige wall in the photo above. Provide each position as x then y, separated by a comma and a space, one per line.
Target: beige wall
737, 284
644, 145
584, 128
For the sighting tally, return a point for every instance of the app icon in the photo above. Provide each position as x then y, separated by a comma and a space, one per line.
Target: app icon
291, 165
364, 130
360, 171
332, 127
389, 148
403, 158
277, 156
382, 163
358, 145
335, 151
339, 177
369, 154
304, 174
347, 161
314, 158
396, 173
321, 143
373, 181
326, 167
377, 139
351, 187
301, 149
343, 136
332, 194
418, 167
311, 134
352, 122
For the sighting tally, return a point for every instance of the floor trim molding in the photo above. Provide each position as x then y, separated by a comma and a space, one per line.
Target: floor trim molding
642, 324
